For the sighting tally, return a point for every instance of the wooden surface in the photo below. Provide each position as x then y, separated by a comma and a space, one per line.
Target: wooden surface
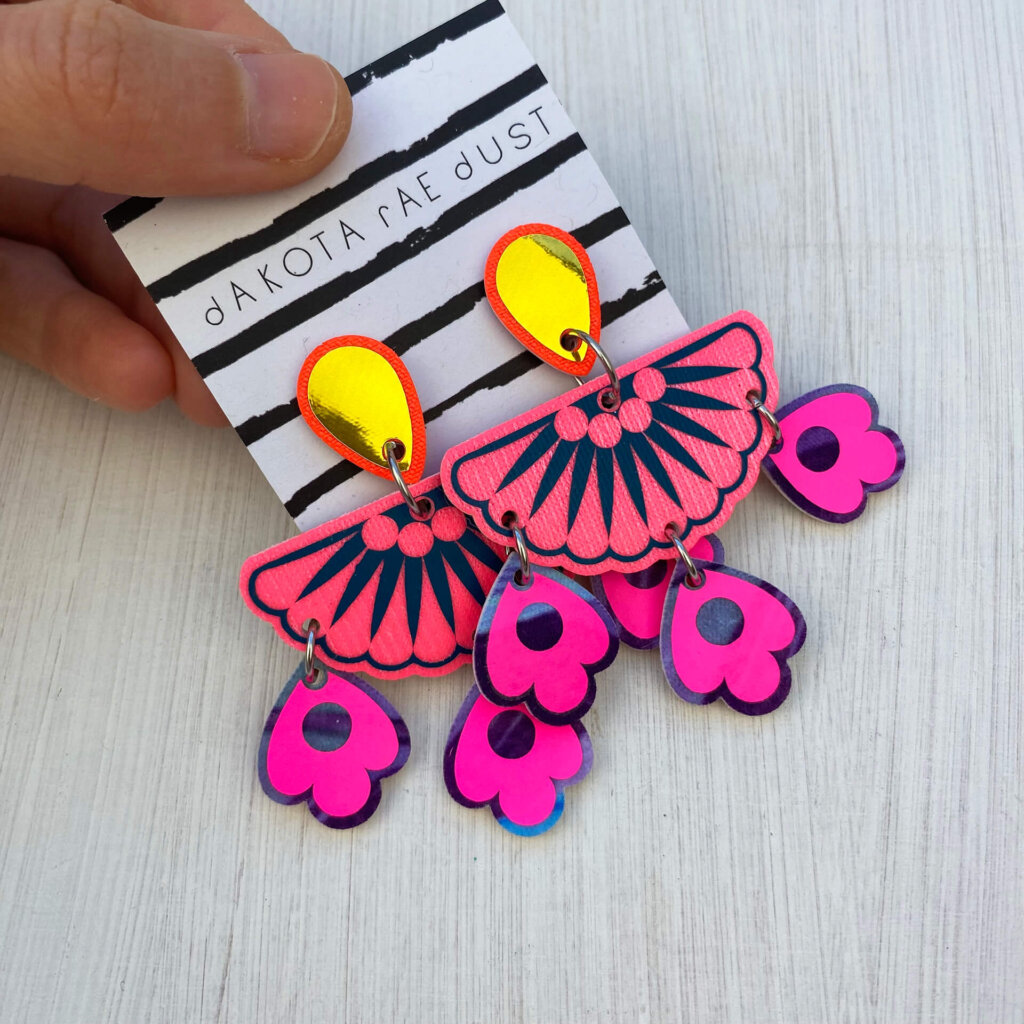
855, 178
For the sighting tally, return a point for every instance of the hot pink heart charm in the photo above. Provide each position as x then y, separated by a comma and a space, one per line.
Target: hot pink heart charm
730, 637
834, 453
331, 746
636, 600
540, 642
513, 762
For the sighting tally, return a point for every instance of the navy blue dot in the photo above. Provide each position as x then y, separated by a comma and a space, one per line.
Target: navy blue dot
720, 621
817, 448
326, 727
511, 734
649, 578
539, 626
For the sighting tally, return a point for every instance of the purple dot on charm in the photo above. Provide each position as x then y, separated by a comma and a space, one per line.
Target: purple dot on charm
511, 734
330, 746
731, 638
817, 448
326, 727
720, 621
539, 626
649, 578
541, 644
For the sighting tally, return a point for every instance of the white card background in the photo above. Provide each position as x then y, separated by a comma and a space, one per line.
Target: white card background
456, 138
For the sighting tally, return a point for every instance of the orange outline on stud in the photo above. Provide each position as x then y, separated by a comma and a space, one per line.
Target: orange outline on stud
419, 430
580, 369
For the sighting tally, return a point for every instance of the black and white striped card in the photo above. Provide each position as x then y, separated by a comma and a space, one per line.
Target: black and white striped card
456, 138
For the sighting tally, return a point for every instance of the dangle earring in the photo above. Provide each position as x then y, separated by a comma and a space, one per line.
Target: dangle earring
518, 740
585, 484
392, 589
643, 465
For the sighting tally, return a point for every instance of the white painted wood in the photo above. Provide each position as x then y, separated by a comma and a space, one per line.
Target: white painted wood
852, 173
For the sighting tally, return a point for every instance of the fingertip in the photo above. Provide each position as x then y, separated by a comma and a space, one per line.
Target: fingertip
235, 113
110, 358
201, 407
191, 393
299, 114
339, 132
144, 376
80, 338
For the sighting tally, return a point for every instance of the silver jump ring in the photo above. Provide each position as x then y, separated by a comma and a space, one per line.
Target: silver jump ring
310, 626
609, 366
758, 406
389, 453
521, 550
694, 576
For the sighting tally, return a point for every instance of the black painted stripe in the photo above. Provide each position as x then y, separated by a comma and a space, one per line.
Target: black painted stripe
496, 378
331, 293
267, 422
437, 319
601, 227
319, 486
459, 26
629, 300
458, 306
129, 210
361, 180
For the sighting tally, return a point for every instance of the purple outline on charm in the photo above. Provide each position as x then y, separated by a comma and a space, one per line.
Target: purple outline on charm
501, 752
326, 734
722, 626
818, 450
535, 651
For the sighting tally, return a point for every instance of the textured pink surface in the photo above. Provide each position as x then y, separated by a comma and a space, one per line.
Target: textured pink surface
730, 637
593, 488
541, 642
393, 596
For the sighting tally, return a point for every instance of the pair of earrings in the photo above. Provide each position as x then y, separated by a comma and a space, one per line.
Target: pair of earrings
623, 482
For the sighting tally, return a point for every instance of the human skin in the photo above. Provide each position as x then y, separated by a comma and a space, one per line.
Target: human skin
102, 99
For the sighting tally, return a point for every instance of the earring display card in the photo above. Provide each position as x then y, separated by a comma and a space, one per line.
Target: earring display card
456, 138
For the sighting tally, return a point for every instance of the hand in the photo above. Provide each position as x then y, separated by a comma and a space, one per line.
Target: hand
149, 97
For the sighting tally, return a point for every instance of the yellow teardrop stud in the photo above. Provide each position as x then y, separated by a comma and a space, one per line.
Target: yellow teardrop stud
357, 395
540, 283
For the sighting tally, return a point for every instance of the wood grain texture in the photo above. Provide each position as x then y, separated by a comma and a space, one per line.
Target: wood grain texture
852, 174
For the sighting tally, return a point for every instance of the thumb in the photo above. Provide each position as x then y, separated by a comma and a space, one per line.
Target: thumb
97, 94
